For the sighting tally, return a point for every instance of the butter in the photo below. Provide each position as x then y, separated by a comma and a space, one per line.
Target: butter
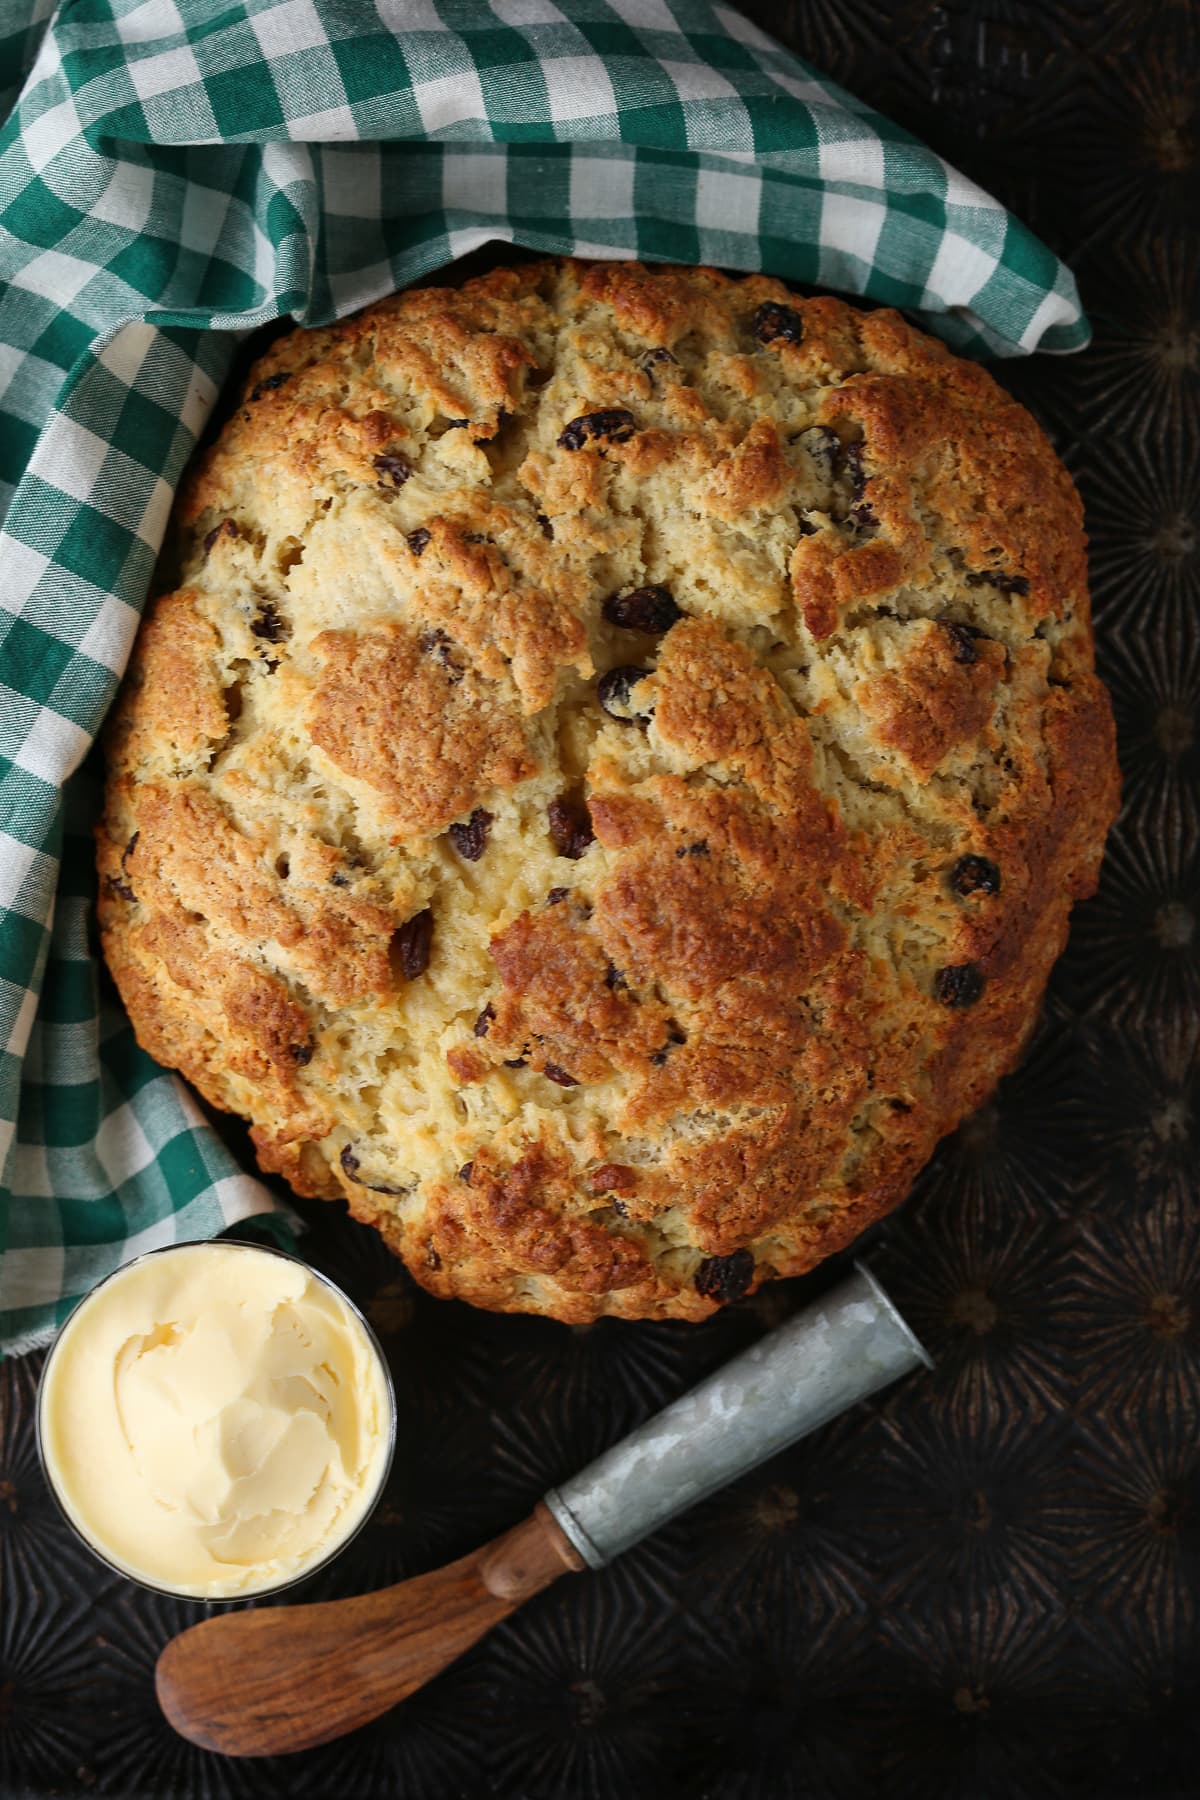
215, 1420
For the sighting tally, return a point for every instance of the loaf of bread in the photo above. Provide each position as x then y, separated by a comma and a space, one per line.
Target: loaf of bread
607, 781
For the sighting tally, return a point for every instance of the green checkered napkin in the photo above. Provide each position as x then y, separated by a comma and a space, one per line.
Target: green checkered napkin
174, 173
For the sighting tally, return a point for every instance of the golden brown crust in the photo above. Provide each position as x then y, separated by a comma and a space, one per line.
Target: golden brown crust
594, 992
173, 702
940, 693
398, 714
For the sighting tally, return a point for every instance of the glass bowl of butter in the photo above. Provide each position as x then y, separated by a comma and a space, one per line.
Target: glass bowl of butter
216, 1420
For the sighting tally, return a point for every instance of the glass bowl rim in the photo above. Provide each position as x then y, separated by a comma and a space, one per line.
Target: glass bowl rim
323, 1562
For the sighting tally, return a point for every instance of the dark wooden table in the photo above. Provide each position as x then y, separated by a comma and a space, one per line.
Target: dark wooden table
988, 1584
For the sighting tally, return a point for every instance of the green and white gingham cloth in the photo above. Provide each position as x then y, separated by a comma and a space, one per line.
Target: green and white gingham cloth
174, 173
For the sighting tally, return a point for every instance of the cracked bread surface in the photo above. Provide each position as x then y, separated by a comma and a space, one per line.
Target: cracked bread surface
608, 783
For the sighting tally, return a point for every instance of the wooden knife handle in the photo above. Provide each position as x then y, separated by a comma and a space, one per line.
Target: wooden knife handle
529, 1557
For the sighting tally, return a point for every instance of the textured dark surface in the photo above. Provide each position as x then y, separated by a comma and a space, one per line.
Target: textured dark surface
987, 1583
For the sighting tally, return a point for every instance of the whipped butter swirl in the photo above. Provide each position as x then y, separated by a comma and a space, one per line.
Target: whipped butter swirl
215, 1420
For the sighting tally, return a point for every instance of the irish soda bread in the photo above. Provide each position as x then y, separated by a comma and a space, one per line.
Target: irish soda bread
608, 782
